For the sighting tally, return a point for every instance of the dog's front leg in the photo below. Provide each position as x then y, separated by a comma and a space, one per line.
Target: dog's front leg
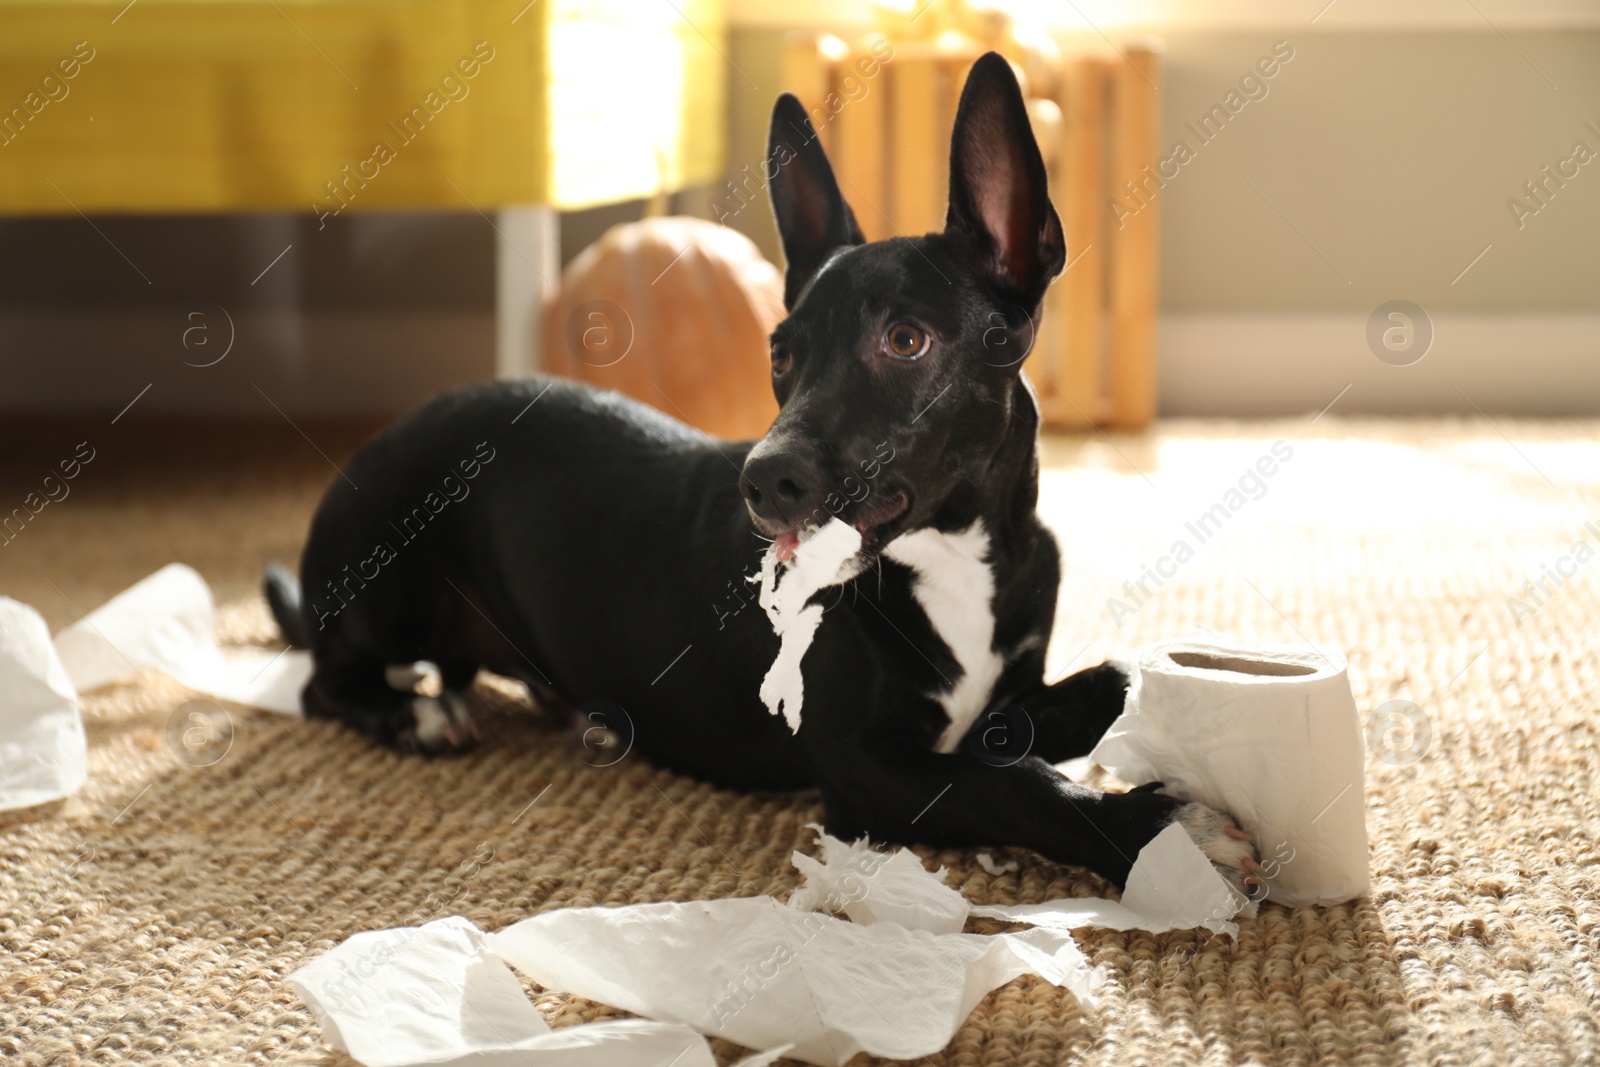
1055, 722
892, 793
1068, 718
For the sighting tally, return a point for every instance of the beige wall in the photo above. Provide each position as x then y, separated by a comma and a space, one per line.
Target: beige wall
1393, 152
757, 52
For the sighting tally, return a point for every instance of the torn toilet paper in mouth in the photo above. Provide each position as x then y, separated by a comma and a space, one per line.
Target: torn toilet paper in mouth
1270, 736
896, 979
167, 623
828, 557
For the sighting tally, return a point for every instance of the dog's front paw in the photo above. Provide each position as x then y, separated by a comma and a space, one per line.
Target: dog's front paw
1107, 684
1229, 848
1099, 693
439, 725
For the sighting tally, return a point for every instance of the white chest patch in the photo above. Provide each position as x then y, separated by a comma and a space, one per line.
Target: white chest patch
954, 585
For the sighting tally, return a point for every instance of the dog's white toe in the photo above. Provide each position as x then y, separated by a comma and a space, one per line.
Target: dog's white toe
456, 705
431, 721
402, 677
441, 724
1218, 836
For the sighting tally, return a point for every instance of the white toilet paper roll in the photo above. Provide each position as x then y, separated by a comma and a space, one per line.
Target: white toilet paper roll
1268, 735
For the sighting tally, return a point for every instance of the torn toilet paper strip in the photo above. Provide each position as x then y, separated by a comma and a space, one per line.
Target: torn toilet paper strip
1269, 735
761, 974
1172, 886
43, 754
166, 622
869, 886
827, 557
437, 994
898, 982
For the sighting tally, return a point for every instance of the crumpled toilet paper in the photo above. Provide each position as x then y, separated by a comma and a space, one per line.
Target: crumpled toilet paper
827, 557
438, 994
759, 973
1269, 735
163, 623
43, 754
869, 886
167, 622
897, 981
1172, 886
797, 982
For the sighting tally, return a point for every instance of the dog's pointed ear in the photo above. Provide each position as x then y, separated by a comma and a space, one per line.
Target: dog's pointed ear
813, 219
999, 192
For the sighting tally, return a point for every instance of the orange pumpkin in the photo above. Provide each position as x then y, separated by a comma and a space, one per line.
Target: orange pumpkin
675, 312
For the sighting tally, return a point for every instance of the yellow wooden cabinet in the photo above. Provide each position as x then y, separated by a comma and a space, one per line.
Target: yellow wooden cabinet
315, 105
515, 107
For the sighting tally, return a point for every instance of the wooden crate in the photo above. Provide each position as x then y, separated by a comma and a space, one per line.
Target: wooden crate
1096, 120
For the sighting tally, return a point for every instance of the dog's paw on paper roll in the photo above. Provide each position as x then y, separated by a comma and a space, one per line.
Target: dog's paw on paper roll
1228, 847
1270, 735
1216, 836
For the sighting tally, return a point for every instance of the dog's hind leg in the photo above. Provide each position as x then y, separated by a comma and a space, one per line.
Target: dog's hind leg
353, 688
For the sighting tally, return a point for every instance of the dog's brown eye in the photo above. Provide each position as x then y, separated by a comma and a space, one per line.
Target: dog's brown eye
905, 341
781, 359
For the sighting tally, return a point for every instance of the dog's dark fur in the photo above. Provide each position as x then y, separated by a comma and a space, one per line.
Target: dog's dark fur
599, 551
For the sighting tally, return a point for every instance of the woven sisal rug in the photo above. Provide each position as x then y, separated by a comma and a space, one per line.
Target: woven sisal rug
153, 917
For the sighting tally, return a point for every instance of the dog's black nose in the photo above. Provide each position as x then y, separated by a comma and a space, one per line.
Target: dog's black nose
784, 487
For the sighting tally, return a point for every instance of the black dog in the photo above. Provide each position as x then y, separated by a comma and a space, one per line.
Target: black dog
600, 551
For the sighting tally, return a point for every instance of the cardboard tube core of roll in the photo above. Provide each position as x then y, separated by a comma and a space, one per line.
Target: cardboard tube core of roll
1240, 665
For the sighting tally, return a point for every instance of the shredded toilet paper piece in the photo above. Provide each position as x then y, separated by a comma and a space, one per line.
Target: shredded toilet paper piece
800, 984
166, 622
1271, 736
43, 754
868, 886
1172, 887
389, 997
759, 973
897, 982
827, 557
437, 994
